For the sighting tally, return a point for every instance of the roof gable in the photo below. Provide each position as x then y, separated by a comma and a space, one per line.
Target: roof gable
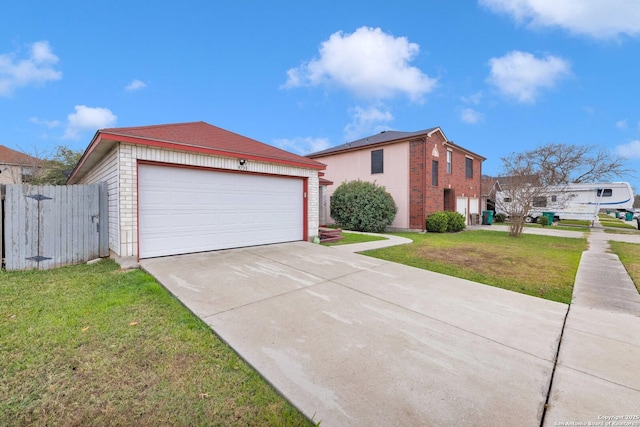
206, 136
198, 137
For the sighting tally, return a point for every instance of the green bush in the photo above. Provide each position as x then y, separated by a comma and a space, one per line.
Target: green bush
437, 222
362, 206
456, 223
500, 217
543, 220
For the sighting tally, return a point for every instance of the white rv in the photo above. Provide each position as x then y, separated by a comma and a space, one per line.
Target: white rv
573, 201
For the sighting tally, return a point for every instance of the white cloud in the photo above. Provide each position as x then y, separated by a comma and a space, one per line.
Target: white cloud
368, 62
136, 85
303, 145
367, 121
522, 76
630, 150
473, 99
36, 69
621, 124
471, 116
88, 118
48, 123
599, 19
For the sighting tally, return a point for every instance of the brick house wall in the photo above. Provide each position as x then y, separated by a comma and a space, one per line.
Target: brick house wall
425, 197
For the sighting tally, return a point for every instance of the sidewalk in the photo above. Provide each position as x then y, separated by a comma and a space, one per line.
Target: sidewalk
376, 244
597, 373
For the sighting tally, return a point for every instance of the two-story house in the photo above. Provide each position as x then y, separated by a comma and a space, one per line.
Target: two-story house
423, 171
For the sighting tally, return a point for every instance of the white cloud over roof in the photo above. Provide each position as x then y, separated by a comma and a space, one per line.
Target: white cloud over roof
37, 68
522, 76
600, 19
369, 62
88, 118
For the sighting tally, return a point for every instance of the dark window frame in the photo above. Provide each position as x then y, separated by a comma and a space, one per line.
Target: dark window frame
468, 167
377, 161
605, 192
434, 173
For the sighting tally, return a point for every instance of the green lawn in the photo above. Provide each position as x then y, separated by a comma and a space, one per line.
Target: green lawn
629, 255
92, 345
542, 266
609, 221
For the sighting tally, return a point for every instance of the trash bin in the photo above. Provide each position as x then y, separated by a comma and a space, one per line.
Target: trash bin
487, 217
549, 216
628, 216
617, 215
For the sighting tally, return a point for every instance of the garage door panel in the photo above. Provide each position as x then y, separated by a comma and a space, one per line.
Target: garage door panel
192, 210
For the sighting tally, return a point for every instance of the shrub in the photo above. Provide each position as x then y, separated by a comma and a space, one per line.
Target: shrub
362, 206
456, 223
437, 222
543, 220
500, 217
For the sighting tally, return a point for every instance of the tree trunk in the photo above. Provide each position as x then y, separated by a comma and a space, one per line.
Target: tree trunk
516, 225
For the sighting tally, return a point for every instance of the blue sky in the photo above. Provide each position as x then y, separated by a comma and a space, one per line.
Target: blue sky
498, 76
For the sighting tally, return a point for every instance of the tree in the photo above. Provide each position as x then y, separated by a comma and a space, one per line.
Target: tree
58, 166
533, 175
362, 206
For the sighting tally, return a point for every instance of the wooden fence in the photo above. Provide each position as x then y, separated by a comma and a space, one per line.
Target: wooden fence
50, 226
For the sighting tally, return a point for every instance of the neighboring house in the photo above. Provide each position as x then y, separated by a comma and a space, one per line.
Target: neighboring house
192, 187
490, 185
17, 167
423, 171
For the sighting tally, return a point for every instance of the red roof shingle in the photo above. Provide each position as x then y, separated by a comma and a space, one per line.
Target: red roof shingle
206, 136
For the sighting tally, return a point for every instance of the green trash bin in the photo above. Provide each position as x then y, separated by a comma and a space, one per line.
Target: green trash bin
628, 216
549, 216
617, 215
487, 217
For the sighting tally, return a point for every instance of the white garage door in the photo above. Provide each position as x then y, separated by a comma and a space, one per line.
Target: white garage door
183, 210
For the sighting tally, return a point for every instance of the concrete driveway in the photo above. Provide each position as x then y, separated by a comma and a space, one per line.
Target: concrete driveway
352, 340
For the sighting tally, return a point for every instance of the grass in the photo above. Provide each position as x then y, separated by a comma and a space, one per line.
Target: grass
541, 266
629, 254
609, 221
92, 345
349, 238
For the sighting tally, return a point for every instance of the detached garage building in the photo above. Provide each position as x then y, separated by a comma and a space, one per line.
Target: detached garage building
193, 187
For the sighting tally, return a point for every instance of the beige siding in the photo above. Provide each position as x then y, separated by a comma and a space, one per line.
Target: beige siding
107, 171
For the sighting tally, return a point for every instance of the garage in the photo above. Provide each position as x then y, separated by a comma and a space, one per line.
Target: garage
193, 187
186, 210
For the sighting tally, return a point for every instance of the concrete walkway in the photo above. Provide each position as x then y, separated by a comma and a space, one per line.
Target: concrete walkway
598, 370
390, 240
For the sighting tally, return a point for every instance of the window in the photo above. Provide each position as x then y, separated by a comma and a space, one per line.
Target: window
27, 173
434, 173
540, 202
449, 156
554, 198
507, 200
468, 167
377, 161
606, 192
